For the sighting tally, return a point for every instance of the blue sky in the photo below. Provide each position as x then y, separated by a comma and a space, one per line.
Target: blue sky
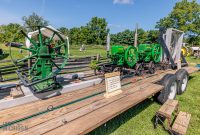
120, 14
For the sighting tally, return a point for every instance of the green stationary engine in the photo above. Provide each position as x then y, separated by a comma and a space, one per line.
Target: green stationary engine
120, 57
126, 57
146, 57
150, 52
41, 76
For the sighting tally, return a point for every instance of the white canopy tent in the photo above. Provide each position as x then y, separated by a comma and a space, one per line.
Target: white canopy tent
47, 33
195, 48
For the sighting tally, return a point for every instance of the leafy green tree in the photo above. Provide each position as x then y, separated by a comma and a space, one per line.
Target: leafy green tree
2, 33
84, 35
152, 36
9, 33
34, 20
126, 37
185, 16
142, 36
64, 31
74, 35
98, 30
95, 32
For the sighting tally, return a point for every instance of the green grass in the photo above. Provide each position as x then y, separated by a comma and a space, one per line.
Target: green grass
193, 60
74, 51
90, 50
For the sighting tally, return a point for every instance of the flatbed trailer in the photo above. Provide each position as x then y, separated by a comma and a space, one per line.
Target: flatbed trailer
81, 111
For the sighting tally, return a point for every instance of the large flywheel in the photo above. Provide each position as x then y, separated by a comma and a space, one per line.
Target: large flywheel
46, 46
156, 53
131, 56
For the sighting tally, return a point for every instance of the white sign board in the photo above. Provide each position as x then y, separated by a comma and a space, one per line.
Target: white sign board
113, 84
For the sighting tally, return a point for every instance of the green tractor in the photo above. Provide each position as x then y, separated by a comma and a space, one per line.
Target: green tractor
41, 75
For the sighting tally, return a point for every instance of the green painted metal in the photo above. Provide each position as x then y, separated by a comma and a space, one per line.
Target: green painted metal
131, 56
156, 52
44, 51
117, 55
122, 56
150, 52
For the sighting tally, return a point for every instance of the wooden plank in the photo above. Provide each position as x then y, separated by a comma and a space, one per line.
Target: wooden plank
102, 115
97, 100
51, 115
168, 108
54, 123
181, 123
172, 102
191, 69
112, 74
22, 111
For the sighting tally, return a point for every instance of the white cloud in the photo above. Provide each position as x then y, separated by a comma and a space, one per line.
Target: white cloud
122, 1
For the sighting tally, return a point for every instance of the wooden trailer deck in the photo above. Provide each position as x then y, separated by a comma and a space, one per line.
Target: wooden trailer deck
85, 110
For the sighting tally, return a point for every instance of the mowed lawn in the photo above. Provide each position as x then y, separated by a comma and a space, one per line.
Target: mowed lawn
139, 119
90, 50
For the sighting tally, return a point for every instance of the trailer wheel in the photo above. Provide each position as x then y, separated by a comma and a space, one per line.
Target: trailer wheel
170, 84
182, 76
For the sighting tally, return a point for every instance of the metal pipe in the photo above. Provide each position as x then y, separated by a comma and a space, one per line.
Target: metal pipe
33, 83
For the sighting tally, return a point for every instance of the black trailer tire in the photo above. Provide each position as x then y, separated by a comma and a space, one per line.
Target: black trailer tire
169, 91
182, 77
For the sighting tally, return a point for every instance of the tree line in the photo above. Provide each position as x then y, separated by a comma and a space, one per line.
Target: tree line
95, 31
184, 16
126, 37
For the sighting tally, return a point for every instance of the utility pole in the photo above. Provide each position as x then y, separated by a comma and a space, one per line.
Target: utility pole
136, 35
108, 44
